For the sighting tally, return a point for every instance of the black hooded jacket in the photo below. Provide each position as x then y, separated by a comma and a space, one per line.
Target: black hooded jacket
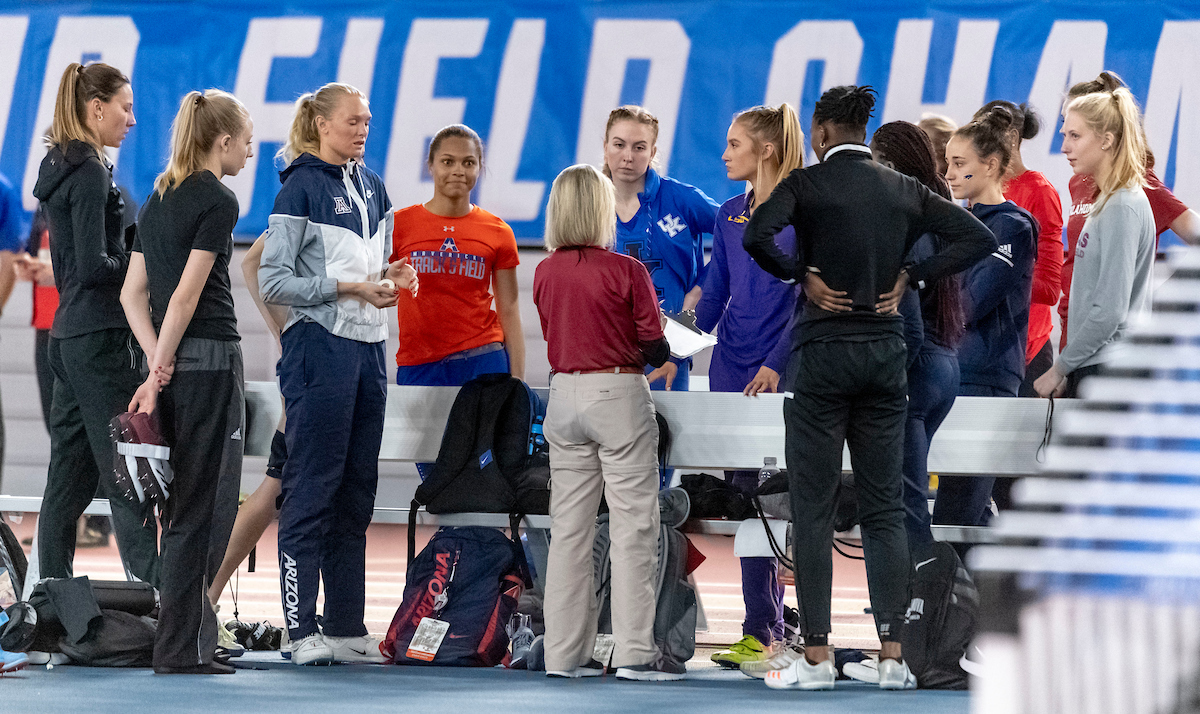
87, 242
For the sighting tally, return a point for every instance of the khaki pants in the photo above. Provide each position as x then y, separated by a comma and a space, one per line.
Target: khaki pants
603, 437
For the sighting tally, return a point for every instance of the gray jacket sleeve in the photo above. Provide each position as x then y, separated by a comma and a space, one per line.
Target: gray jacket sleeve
286, 259
1114, 235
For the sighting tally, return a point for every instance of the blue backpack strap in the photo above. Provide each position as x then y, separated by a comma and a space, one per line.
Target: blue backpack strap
537, 417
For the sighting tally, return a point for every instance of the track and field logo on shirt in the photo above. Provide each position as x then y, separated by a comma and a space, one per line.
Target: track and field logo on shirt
448, 262
450, 245
671, 225
340, 205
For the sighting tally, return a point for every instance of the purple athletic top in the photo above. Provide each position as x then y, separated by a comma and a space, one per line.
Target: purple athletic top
751, 309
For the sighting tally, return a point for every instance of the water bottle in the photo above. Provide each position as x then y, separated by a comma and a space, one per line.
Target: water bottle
769, 469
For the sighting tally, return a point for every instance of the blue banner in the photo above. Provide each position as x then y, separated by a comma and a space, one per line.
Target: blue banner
537, 79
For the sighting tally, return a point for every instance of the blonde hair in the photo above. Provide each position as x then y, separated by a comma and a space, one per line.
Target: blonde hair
582, 210
634, 113
1115, 112
939, 129
303, 137
202, 119
78, 86
780, 127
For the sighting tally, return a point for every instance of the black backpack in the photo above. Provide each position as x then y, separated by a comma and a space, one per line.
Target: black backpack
13, 563
493, 458
941, 619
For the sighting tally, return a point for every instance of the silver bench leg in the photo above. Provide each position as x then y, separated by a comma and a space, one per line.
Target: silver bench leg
538, 540
701, 617
34, 571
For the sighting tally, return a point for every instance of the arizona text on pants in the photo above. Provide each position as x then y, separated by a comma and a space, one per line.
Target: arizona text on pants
335, 390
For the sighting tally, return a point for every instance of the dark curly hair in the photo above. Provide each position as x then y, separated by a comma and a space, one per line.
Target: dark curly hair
848, 105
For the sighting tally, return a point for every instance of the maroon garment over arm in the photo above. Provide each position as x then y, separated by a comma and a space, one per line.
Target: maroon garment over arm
595, 307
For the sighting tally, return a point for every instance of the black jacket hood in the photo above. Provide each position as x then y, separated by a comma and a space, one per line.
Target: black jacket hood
59, 164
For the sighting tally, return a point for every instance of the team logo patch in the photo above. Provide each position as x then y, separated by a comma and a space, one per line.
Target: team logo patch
449, 245
671, 225
340, 205
448, 262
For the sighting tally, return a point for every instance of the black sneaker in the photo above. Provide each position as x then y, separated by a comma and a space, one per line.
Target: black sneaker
654, 672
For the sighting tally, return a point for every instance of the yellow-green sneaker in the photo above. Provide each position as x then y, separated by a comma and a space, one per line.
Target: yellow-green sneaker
747, 649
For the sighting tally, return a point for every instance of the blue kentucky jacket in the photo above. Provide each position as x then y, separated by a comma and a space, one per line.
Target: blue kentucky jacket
666, 235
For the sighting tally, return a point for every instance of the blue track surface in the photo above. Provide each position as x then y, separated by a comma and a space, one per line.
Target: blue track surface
362, 688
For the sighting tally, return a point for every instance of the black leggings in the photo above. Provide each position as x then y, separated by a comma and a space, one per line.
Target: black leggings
95, 376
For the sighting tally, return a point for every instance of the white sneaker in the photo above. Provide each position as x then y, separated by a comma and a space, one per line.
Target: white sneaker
591, 668
864, 671
803, 675
894, 674
363, 649
784, 658
312, 650
51, 658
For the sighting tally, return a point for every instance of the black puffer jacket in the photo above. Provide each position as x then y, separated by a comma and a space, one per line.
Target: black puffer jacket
87, 242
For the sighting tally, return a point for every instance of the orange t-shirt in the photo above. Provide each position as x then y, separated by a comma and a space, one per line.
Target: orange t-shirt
455, 259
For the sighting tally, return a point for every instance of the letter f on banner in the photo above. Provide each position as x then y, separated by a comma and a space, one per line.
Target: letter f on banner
614, 43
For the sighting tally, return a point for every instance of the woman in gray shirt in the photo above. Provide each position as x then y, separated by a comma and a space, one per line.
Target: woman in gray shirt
1102, 138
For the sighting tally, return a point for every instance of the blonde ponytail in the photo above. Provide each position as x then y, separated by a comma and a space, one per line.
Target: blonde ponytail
78, 86
303, 137
1116, 112
202, 119
779, 127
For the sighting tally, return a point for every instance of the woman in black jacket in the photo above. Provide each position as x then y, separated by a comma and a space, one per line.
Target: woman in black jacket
92, 352
855, 221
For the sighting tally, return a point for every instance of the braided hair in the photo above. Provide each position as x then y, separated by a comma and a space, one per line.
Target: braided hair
908, 148
849, 106
910, 151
